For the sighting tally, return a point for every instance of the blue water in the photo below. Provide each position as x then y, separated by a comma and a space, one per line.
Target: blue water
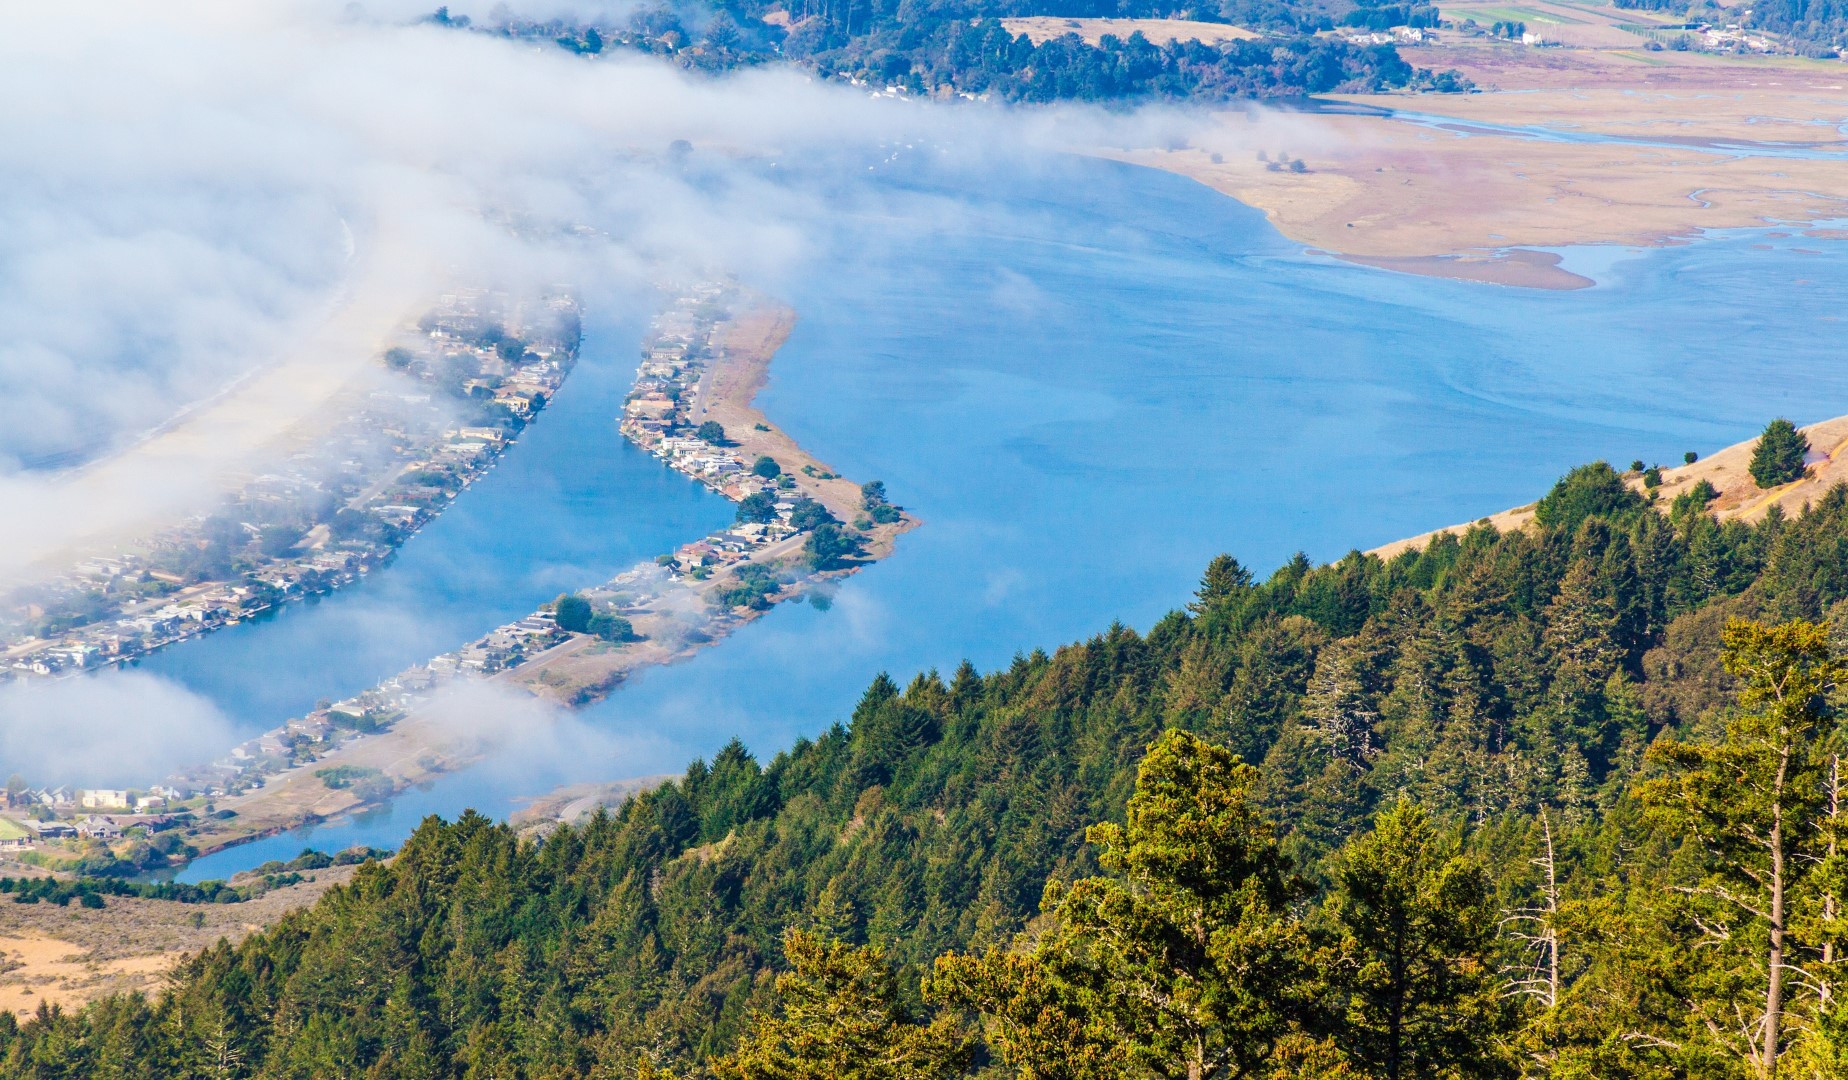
1089, 379
1820, 150
570, 504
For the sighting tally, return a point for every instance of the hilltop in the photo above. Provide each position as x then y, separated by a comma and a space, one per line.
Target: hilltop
1470, 713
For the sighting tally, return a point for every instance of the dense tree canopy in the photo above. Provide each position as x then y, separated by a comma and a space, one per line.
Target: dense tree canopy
1400, 818
962, 46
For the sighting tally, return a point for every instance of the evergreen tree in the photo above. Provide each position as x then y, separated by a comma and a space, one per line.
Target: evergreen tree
1778, 458
1184, 959
840, 1017
1223, 580
1417, 987
1589, 490
1752, 801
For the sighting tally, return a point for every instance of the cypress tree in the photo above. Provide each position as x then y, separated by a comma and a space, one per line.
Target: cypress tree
1778, 458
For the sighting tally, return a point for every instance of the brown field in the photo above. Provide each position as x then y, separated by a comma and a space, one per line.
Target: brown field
1579, 26
1726, 470
69, 955
1452, 198
1046, 27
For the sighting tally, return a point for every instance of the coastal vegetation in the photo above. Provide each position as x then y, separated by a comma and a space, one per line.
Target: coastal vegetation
1558, 801
92, 891
1778, 457
964, 48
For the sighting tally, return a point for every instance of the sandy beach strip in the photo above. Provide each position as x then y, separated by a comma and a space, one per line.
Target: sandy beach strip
429, 742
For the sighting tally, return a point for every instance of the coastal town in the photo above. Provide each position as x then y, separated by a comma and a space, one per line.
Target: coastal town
794, 528
336, 501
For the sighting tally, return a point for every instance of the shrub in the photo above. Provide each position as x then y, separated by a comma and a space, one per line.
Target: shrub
1593, 490
573, 613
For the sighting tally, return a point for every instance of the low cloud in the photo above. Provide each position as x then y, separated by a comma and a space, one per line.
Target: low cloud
529, 744
198, 196
129, 729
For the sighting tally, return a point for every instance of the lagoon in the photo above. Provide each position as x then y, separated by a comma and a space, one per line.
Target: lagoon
1087, 379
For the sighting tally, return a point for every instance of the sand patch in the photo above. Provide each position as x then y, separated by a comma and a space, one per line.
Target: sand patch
1411, 193
70, 955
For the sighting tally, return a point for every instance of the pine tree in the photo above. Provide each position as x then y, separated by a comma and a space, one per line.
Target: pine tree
840, 1018
1224, 579
1778, 458
1185, 959
1418, 930
1753, 802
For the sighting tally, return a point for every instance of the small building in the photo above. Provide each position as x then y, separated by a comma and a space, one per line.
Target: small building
98, 828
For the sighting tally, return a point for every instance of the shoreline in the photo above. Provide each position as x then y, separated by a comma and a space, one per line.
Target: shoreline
440, 454
673, 616
1523, 268
1486, 186
1726, 469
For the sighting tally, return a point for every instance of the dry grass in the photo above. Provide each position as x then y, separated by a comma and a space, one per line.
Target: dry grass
70, 955
1729, 473
1046, 27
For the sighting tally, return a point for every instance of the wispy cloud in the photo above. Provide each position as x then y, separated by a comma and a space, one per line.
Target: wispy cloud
129, 728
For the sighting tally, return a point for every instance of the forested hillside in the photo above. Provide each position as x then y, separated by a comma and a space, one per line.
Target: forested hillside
1542, 803
962, 47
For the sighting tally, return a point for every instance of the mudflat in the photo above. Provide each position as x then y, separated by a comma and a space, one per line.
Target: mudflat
1437, 184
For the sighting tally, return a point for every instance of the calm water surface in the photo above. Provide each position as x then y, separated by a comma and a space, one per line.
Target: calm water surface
1086, 382
570, 504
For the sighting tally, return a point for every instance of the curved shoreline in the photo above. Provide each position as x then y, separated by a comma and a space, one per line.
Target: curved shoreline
578, 669
1483, 187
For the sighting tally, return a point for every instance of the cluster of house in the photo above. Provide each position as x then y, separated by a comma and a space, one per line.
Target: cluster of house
396, 458
308, 738
671, 370
1400, 35
63, 814
1734, 38
661, 416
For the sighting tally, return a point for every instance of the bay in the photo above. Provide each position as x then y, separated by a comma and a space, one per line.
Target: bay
1087, 379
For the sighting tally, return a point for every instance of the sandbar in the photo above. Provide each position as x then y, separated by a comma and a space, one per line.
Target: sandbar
1451, 192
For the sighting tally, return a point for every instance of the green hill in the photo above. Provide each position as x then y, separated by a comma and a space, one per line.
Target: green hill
1434, 739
